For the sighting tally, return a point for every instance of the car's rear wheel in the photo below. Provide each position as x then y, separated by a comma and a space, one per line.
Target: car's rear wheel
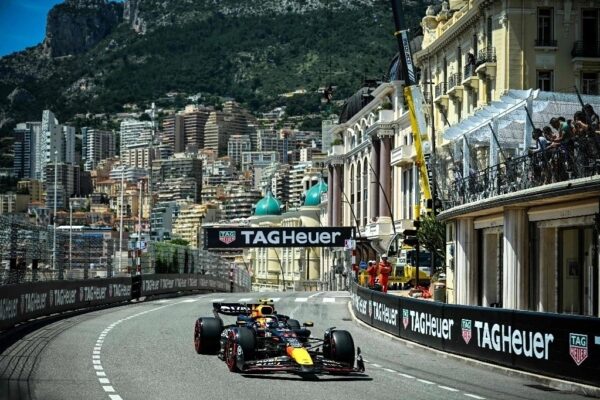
342, 347
207, 332
239, 347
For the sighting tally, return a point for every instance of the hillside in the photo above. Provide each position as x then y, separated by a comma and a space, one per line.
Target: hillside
98, 56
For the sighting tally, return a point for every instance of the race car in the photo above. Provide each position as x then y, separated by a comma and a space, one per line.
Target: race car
264, 341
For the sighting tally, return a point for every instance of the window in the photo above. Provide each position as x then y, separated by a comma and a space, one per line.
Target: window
545, 80
589, 26
589, 83
489, 32
545, 34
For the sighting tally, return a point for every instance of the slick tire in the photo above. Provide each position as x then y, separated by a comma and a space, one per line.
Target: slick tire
239, 347
207, 335
342, 347
293, 324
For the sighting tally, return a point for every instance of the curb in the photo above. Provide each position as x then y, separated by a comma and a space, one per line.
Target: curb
554, 383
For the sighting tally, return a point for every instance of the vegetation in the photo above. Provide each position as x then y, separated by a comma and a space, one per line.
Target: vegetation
432, 236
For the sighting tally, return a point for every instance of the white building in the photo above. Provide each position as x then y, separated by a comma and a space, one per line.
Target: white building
97, 145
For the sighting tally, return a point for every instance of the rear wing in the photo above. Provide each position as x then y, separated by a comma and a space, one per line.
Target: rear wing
232, 308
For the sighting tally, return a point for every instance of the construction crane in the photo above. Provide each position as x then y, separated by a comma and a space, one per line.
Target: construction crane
413, 96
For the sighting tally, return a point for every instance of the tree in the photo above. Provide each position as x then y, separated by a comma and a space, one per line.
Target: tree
432, 236
180, 242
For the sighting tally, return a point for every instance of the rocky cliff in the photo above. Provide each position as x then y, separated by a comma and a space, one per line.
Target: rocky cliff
78, 25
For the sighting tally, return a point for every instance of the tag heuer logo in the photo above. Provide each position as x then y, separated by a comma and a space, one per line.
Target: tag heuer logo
578, 347
405, 318
227, 236
466, 330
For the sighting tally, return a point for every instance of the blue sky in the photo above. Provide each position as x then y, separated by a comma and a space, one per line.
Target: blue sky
22, 23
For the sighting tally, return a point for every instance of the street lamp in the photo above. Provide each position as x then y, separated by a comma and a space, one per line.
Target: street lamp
54, 219
70, 236
121, 223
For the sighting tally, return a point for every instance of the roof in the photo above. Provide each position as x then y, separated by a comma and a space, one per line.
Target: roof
313, 195
268, 205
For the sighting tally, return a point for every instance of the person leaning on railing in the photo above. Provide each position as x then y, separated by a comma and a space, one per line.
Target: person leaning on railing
538, 155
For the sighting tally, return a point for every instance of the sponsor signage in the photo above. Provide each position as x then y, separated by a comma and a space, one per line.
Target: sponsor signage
563, 346
222, 238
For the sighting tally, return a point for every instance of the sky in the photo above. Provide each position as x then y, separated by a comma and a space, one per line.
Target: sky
22, 23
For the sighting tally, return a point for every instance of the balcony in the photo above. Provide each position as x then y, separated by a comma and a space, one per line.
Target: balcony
455, 88
440, 94
403, 155
562, 170
486, 62
470, 78
586, 49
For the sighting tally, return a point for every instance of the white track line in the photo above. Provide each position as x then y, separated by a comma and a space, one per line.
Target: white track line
314, 295
474, 396
215, 300
406, 375
425, 382
451, 389
328, 299
245, 300
301, 300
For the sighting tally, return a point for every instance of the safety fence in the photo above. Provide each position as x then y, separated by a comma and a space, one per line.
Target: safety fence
563, 346
25, 301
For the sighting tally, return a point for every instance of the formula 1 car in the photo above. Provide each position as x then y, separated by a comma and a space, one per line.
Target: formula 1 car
263, 341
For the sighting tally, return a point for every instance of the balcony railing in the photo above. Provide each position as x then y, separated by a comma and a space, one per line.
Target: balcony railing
486, 55
441, 89
454, 80
586, 49
553, 165
545, 43
469, 71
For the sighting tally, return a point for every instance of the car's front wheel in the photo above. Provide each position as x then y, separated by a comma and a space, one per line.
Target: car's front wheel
207, 332
341, 347
239, 347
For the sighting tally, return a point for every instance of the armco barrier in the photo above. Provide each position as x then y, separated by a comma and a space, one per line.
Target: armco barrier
22, 302
563, 346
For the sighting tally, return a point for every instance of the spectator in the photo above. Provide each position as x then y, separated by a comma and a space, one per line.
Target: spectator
385, 269
539, 140
565, 132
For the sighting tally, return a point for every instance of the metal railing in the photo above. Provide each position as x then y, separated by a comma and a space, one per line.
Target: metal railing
487, 54
441, 89
454, 80
469, 71
586, 49
545, 43
27, 255
579, 159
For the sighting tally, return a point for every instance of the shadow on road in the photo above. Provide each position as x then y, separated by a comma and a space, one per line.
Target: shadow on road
311, 378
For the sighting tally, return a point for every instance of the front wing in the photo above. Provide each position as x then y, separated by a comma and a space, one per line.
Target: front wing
320, 365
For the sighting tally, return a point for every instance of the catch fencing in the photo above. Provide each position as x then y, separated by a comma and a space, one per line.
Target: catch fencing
563, 346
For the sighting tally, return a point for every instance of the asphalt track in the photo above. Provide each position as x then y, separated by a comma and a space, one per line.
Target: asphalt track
145, 351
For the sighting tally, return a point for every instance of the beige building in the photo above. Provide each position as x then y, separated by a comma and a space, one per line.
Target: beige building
13, 203
520, 230
476, 50
33, 187
188, 225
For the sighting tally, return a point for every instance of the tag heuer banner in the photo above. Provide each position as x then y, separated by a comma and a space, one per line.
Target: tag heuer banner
223, 238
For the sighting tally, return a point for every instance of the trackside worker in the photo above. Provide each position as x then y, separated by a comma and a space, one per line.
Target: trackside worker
385, 269
372, 272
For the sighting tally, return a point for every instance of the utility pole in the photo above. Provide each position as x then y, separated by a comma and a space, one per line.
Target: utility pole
70, 236
121, 223
54, 219
139, 241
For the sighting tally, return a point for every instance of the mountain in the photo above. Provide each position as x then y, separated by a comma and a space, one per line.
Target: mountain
99, 55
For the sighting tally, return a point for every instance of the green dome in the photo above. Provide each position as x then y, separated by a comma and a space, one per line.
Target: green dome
313, 195
268, 205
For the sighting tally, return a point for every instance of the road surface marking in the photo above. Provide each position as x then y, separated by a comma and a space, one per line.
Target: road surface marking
376, 365
215, 300
162, 301
474, 396
406, 375
104, 380
100, 373
328, 299
189, 300
316, 294
245, 300
98, 367
115, 397
425, 382
96, 362
95, 357
301, 300
448, 388
276, 298
389, 370
108, 388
